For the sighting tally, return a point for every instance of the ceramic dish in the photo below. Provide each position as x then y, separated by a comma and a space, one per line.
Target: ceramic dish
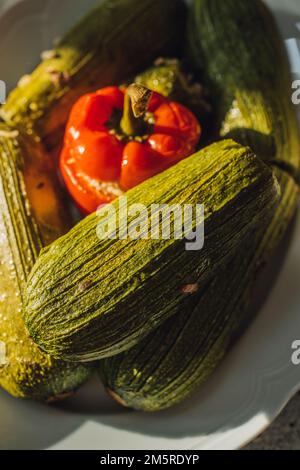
253, 383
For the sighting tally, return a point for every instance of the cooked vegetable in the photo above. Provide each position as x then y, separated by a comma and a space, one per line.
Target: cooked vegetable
113, 42
89, 298
31, 215
236, 47
116, 139
170, 363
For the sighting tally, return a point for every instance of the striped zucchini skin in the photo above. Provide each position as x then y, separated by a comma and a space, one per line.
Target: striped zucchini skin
113, 42
170, 78
31, 216
169, 364
236, 46
89, 298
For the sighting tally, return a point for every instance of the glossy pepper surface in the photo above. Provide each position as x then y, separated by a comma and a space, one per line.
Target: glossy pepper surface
116, 138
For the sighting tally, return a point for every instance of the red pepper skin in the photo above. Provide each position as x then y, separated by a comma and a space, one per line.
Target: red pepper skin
97, 165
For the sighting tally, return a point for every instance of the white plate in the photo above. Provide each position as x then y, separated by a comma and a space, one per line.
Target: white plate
252, 384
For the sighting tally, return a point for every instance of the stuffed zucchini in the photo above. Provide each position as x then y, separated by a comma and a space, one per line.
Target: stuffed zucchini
113, 42
89, 298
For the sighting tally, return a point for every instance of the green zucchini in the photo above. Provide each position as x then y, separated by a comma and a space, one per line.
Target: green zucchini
169, 78
89, 298
113, 42
237, 49
170, 363
31, 215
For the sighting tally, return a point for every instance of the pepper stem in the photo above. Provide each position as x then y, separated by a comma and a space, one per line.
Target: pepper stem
136, 103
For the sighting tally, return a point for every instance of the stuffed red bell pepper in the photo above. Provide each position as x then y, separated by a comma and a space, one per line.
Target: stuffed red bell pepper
117, 138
